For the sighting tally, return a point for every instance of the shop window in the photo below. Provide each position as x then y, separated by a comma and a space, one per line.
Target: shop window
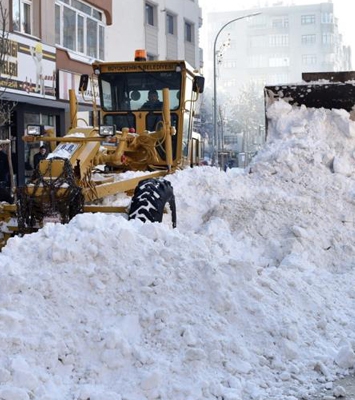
80, 28
22, 16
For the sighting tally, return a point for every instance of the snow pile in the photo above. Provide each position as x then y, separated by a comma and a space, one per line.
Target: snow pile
251, 297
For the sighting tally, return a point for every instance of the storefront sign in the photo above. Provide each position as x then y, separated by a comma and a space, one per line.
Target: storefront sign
29, 68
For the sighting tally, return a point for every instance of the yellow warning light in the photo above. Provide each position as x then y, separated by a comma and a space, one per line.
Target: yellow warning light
140, 55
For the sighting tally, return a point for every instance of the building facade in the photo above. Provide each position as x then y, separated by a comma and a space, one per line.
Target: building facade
278, 45
53, 42
166, 29
50, 44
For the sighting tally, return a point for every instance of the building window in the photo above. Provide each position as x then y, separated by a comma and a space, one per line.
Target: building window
257, 41
150, 14
91, 40
230, 64
22, 16
276, 79
327, 18
278, 40
80, 28
170, 24
81, 33
230, 83
309, 59
57, 23
151, 57
101, 42
258, 21
329, 58
281, 22
81, 7
327, 38
279, 61
257, 61
308, 19
189, 32
308, 39
69, 22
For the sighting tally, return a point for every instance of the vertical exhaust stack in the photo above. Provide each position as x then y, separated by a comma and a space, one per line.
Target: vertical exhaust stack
167, 129
73, 107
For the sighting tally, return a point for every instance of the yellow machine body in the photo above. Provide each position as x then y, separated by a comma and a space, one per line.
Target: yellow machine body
156, 141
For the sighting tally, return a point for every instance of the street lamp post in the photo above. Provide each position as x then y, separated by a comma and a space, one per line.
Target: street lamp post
215, 134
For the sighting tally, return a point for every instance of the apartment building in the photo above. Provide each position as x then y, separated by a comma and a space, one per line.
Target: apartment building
53, 42
277, 45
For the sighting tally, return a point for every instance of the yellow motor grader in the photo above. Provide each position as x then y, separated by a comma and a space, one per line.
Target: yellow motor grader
127, 134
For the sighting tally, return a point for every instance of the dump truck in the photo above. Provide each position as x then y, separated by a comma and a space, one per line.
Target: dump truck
91, 162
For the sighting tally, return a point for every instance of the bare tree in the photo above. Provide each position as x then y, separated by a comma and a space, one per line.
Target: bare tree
6, 107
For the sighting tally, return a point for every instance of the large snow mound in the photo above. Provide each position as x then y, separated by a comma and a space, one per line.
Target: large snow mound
251, 297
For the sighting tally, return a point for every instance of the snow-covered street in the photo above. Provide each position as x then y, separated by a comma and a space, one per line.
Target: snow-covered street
251, 296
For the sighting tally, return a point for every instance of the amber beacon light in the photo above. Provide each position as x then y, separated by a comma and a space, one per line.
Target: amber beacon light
140, 55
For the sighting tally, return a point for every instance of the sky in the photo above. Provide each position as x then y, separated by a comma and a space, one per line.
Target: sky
251, 297
344, 10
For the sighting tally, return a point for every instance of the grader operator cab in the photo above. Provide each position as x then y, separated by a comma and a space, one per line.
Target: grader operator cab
128, 134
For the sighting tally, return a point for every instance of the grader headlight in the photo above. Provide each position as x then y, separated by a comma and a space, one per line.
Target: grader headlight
107, 130
35, 130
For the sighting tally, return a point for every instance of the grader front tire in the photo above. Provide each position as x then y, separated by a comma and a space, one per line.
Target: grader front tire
149, 200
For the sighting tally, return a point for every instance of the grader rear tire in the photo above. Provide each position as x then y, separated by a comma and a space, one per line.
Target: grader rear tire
149, 200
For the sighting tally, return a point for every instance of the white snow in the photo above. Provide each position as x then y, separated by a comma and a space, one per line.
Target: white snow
251, 297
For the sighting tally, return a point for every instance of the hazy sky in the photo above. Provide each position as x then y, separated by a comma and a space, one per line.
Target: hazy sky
344, 10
